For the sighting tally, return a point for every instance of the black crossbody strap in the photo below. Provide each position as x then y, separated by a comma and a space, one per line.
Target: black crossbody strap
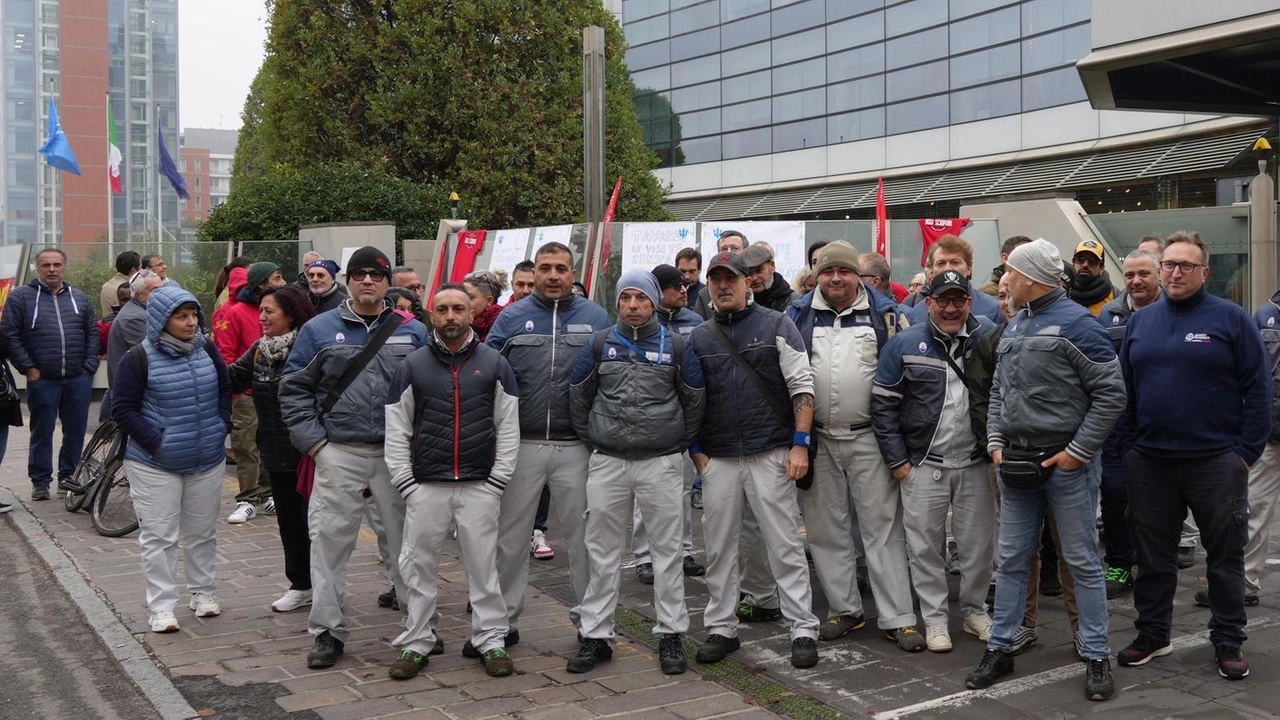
360, 362
778, 406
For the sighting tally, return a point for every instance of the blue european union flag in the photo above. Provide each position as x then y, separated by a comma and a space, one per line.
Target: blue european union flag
57, 149
168, 169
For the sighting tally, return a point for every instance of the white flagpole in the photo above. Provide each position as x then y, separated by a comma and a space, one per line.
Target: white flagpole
159, 186
111, 223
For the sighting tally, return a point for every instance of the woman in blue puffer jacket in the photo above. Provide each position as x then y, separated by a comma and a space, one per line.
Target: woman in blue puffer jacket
172, 396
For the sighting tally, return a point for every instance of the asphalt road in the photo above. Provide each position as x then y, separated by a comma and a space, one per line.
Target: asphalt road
52, 664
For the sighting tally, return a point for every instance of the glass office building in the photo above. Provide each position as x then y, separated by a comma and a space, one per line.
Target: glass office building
773, 96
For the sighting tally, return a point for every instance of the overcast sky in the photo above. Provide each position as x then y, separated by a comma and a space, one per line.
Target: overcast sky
219, 52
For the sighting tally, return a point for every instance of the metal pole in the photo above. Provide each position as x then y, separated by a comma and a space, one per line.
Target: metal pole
1262, 237
593, 123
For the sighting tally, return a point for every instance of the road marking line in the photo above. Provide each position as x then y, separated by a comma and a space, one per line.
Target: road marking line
1041, 679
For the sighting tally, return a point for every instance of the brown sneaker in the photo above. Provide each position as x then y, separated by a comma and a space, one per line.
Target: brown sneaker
497, 663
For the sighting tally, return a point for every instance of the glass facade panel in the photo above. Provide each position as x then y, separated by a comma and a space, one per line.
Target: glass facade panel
701, 150
807, 74
737, 9
745, 144
915, 15
695, 98
638, 9
647, 56
984, 102
692, 72
1055, 49
801, 105
914, 49
746, 87
797, 136
1043, 15
799, 46
855, 63
746, 115
855, 32
982, 67
965, 8
655, 28
799, 16
1050, 89
985, 30
856, 125
745, 60
704, 42
917, 115
837, 9
744, 32
658, 78
855, 95
706, 122
916, 81
697, 17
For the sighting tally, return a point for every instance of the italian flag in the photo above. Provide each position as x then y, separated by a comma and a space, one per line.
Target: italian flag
113, 152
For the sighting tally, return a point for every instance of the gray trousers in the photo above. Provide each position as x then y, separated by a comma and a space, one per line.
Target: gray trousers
728, 485
927, 494
640, 537
656, 486
429, 509
1264, 491
851, 480
562, 466
172, 507
343, 472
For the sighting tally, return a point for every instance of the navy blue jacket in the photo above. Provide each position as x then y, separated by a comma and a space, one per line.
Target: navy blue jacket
1198, 379
57, 334
682, 321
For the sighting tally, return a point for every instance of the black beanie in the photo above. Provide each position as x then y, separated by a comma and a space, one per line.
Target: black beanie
369, 257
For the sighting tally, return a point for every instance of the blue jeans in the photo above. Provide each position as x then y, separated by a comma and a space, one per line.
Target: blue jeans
49, 400
1072, 495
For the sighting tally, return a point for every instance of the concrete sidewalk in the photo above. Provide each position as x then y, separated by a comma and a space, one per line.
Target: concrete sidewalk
259, 658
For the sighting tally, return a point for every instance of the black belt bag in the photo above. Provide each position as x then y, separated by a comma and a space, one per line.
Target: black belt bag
1022, 468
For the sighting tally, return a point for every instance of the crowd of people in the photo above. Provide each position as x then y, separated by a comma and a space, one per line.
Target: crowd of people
912, 432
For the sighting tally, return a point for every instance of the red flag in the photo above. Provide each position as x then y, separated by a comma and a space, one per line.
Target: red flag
934, 228
607, 244
882, 222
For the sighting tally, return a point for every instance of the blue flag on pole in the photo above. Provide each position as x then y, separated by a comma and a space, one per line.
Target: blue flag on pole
57, 149
168, 169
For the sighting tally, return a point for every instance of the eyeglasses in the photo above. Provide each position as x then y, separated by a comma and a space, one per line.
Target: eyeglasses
416, 287
361, 274
946, 302
141, 274
1185, 267
868, 277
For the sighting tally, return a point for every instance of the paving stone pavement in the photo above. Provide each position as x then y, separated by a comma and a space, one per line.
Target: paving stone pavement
863, 675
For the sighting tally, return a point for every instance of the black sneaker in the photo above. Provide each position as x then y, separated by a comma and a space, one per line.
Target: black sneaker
1050, 584
1118, 580
326, 651
438, 648
592, 652
804, 652
1202, 599
1231, 663
407, 665
752, 613
1186, 557
693, 568
1098, 684
388, 599
994, 665
671, 655
644, 573
1142, 650
717, 648
40, 492
512, 638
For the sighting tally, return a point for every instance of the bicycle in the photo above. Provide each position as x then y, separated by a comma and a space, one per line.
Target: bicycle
99, 483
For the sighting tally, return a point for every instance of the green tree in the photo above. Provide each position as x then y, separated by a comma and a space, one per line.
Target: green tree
479, 96
267, 210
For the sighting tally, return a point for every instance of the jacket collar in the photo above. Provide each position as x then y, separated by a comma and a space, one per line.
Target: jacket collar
728, 318
1044, 301
1188, 303
563, 303
862, 302
634, 333
443, 352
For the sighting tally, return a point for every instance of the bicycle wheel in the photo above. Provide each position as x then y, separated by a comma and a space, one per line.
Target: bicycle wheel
113, 514
101, 449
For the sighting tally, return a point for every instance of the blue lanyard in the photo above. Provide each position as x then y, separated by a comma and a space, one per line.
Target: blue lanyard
662, 345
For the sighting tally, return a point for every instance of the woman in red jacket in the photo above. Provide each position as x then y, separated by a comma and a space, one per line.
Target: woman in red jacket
485, 287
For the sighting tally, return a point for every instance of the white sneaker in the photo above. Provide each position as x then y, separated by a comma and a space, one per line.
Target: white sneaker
978, 624
292, 600
163, 622
205, 605
937, 638
242, 513
269, 506
539, 546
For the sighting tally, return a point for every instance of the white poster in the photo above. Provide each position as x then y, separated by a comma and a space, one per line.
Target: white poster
786, 239
510, 248
552, 233
646, 245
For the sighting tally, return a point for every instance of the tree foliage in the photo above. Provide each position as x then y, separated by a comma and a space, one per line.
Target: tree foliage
271, 207
482, 97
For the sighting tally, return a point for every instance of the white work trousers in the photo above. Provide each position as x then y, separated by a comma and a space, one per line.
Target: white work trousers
850, 478
1264, 490
343, 472
562, 466
429, 509
170, 507
640, 537
728, 484
927, 494
656, 485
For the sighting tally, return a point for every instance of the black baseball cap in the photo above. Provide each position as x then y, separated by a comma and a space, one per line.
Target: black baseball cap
731, 261
947, 280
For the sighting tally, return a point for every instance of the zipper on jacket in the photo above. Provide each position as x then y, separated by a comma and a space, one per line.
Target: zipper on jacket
62, 332
555, 328
457, 417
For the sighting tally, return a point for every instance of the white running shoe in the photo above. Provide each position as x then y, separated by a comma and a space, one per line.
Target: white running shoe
269, 506
937, 638
978, 624
292, 600
539, 546
205, 605
243, 512
163, 622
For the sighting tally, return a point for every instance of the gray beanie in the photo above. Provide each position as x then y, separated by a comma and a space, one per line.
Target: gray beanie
1038, 260
641, 280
